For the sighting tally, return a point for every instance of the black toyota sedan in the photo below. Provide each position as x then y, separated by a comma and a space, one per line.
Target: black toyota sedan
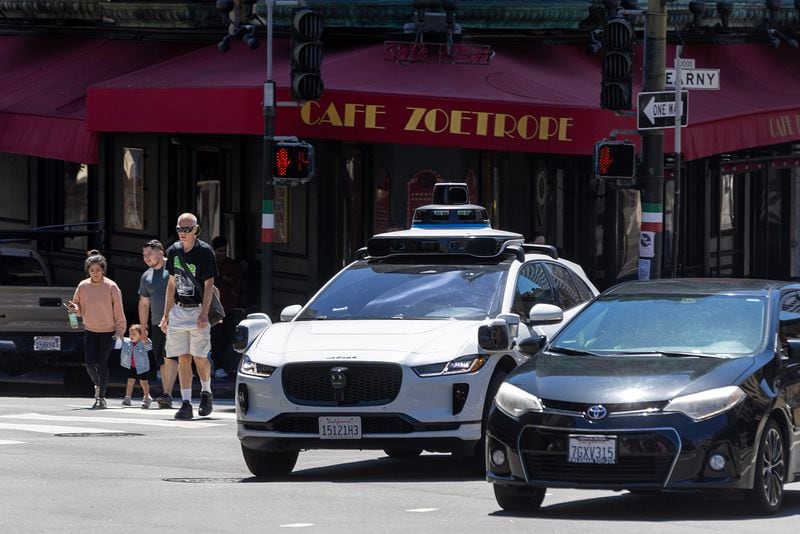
665, 385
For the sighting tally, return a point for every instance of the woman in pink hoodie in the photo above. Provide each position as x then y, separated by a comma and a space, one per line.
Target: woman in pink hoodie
99, 301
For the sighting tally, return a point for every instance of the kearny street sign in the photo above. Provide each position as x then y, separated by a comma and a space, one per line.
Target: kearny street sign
694, 78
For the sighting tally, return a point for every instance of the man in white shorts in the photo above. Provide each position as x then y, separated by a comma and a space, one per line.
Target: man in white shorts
192, 269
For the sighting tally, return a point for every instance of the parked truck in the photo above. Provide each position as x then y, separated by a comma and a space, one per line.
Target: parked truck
34, 329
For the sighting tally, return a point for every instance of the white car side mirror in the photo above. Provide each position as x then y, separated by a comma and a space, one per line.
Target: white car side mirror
546, 314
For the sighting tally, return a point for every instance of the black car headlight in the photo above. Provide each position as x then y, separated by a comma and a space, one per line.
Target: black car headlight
464, 364
706, 404
516, 401
249, 367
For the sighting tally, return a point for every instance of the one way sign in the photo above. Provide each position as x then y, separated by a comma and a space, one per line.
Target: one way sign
657, 110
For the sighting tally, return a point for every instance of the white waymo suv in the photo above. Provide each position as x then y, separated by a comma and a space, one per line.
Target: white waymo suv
387, 354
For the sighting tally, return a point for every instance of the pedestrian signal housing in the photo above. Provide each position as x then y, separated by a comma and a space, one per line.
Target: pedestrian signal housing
293, 161
615, 159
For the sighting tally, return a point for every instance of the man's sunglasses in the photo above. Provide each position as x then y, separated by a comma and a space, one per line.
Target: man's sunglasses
184, 229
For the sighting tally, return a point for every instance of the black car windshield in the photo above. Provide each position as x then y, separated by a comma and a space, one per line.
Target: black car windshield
380, 290
674, 325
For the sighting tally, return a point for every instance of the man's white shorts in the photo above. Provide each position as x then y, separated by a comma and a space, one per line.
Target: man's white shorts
183, 336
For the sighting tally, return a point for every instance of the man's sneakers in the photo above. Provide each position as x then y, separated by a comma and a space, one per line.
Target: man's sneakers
205, 403
185, 411
164, 401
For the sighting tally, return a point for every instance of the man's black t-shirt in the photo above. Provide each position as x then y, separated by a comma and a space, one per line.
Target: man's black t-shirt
200, 261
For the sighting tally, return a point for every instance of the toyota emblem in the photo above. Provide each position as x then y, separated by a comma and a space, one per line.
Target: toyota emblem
596, 412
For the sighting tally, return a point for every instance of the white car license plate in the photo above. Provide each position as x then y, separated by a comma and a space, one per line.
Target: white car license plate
46, 342
592, 450
339, 428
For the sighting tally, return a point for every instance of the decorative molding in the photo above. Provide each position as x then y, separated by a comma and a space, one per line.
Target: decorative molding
389, 15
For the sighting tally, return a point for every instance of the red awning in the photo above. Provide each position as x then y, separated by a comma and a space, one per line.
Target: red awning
43, 90
537, 98
758, 103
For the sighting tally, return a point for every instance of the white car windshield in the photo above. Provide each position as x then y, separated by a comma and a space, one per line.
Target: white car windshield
690, 324
401, 290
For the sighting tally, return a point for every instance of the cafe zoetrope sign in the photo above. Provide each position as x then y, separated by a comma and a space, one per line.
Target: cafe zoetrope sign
448, 122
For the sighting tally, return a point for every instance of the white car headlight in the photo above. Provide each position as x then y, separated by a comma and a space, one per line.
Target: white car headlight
464, 364
706, 404
515, 401
249, 367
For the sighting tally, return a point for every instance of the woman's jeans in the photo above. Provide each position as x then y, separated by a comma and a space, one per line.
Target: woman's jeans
97, 349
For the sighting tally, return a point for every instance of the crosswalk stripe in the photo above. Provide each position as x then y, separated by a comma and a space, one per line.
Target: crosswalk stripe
159, 412
10, 442
55, 429
101, 420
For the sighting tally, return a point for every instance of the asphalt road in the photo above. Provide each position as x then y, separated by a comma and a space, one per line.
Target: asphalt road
65, 468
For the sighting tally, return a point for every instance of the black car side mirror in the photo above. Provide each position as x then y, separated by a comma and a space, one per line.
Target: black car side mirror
240, 338
533, 344
493, 337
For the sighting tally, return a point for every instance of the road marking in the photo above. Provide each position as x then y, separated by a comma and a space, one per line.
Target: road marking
422, 510
55, 429
156, 412
297, 525
10, 442
110, 420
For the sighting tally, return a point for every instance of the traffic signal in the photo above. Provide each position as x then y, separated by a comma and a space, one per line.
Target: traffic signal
615, 159
617, 85
306, 50
293, 161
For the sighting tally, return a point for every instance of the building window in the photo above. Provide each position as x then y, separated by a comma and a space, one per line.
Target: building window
133, 188
76, 201
15, 201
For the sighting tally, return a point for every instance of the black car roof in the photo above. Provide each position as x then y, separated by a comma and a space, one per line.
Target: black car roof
702, 286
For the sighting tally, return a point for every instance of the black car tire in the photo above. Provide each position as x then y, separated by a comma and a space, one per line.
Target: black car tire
767, 493
269, 464
402, 453
519, 498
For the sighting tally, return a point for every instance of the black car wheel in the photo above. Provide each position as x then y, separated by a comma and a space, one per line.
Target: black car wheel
519, 498
402, 453
269, 464
767, 493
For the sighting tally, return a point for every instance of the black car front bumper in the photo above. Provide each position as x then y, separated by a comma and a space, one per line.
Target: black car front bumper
661, 451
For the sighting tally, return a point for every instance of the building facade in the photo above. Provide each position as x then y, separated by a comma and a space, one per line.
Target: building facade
127, 114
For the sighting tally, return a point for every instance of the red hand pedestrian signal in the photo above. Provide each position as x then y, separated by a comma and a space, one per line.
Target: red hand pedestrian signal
615, 159
293, 161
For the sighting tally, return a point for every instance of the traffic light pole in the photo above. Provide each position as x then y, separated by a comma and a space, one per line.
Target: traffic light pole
268, 191
652, 228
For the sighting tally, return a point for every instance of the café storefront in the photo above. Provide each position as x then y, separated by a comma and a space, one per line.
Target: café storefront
183, 132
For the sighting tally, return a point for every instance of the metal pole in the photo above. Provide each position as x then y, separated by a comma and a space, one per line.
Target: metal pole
653, 147
268, 193
676, 198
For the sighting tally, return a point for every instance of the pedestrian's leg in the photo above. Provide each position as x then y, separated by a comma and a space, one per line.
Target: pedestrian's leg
146, 398
90, 345
169, 372
128, 391
104, 349
200, 347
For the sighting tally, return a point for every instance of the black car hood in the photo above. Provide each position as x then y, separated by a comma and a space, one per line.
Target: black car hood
624, 379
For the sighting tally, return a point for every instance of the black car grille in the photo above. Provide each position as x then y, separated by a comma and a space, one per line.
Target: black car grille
642, 458
368, 384
581, 407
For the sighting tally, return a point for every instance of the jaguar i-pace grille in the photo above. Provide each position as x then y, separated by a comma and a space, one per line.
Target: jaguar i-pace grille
365, 384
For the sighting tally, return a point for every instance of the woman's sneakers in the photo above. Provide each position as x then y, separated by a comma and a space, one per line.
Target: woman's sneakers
99, 403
